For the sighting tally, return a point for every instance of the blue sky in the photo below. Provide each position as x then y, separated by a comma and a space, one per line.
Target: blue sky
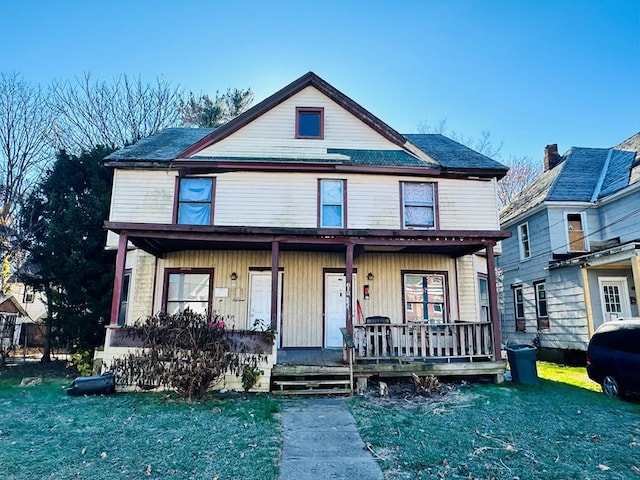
531, 73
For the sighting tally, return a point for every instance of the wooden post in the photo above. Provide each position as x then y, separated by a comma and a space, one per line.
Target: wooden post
587, 299
121, 260
349, 287
493, 302
275, 253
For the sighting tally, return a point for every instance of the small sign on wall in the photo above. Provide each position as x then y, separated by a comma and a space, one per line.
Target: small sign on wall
221, 292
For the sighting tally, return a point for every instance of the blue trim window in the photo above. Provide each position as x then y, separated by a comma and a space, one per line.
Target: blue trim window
195, 202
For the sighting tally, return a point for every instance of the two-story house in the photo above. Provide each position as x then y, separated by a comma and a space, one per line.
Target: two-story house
573, 260
310, 215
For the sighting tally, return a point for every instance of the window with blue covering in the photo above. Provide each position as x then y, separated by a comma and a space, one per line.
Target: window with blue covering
332, 201
195, 201
310, 122
418, 205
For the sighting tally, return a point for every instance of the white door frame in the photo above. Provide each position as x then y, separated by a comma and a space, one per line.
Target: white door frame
341, 323
625, 304
265, 273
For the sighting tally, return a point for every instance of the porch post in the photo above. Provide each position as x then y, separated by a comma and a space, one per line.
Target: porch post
349, 287
493, 302
275, 253
587, 299
635, 270
121, 260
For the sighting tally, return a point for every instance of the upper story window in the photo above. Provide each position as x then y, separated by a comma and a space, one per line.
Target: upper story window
195, 201
310, 122
29, 294
418, 205
575, 233
523, 238
332, 202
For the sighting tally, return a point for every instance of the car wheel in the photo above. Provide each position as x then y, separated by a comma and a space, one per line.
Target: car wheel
611, 387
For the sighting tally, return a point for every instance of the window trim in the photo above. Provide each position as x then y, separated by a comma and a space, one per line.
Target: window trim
321, 204
483, 277
521, 325
126, 287
187, 270
29, 294
446, 310
543, 320
435, 206
583, 224
524, 255
300, 110
176, 199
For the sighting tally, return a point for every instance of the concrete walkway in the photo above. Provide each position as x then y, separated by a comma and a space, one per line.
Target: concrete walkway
321, 442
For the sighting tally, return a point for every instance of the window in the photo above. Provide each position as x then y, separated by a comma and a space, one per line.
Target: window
310, 122
523, 237
124, 297
575, 233
541, 305
518, 302
424, 298
483, 298
29, 295
188, 290
418, 205
332, 201
8, 325
195, 201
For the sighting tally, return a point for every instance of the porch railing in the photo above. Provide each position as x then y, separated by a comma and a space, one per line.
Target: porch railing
423, 341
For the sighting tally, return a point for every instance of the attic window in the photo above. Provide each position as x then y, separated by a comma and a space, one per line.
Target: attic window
310, 122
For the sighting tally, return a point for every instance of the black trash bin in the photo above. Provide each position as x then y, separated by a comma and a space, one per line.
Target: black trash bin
522, 361
95, 385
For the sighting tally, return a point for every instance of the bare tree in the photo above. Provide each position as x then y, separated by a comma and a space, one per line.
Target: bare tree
25, 123
113, 114
522, 170
204, 111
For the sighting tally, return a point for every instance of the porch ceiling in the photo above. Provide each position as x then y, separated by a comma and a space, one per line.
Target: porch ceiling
159, 239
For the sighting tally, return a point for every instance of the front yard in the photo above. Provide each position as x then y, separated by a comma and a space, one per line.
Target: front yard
46, 434
560, 429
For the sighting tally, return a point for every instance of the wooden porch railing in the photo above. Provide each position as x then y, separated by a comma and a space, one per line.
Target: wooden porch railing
423, 341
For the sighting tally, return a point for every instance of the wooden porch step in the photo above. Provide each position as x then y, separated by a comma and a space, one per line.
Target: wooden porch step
310, 380
309, 383
314, 391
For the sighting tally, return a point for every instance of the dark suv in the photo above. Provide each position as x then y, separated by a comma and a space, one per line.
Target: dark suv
613, 357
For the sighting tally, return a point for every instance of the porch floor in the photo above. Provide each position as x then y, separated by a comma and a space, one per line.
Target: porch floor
321, 357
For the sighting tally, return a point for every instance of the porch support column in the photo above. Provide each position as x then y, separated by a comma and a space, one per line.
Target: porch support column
635, 269
275, 254
121, 260
349, 287
587, 299
493, 302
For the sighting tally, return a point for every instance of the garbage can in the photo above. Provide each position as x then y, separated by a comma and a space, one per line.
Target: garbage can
522, 361
96, 385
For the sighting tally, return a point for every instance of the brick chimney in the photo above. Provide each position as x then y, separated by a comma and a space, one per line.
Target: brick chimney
551, 157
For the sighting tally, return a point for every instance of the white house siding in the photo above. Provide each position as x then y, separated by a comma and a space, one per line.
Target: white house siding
273, 133
621, 218
262, 199
468, 286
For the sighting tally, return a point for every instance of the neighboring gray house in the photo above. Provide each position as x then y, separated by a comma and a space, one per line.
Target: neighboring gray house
573, 260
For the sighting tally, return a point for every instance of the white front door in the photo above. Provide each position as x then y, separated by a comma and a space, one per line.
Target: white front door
614, 296
335, 308
259, 317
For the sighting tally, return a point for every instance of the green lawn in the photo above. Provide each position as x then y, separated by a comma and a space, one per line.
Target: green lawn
46, 434
559, 429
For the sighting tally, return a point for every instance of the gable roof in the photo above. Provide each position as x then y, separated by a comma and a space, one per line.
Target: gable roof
582, 175
9, 304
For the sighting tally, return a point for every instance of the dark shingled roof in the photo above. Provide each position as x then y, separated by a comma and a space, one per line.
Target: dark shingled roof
583, 175
161, 146
451, 154
382, 158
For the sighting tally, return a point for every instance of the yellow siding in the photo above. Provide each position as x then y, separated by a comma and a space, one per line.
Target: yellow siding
273, 133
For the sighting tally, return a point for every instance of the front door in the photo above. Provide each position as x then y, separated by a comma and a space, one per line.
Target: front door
335, 308
614, 296
259, 317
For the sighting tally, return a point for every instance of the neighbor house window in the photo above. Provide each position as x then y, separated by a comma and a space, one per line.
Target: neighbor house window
332, 201
28, 295
424, 297
575, 233
518, 302
541, 305
188, 290
310, 122
195, 201
124, 297
483, 297
418, 205
523, 237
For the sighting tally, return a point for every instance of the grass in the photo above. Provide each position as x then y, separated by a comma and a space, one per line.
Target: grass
46, 434
559, 429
